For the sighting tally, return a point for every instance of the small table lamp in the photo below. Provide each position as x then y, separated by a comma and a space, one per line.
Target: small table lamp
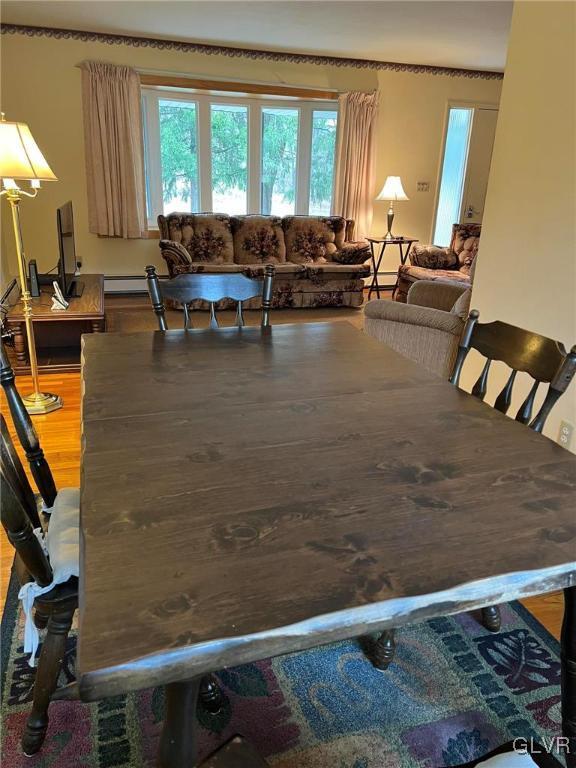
20, 158
392, 190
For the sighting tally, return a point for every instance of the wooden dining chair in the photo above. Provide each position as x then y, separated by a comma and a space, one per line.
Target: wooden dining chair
55, 606
545, 361
26, 433
186, 288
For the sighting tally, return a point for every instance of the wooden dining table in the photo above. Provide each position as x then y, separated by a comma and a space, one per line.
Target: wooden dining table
250, 492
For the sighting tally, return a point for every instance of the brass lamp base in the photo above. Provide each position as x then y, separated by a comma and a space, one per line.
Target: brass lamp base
42, 402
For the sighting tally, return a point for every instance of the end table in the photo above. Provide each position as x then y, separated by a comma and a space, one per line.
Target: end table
404, 244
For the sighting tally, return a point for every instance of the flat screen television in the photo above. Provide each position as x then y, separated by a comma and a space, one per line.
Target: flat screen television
67, 262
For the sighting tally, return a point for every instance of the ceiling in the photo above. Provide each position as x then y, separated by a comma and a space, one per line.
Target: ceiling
472, 34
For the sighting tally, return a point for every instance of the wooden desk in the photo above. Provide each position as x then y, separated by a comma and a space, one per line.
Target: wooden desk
58, 333
251, 492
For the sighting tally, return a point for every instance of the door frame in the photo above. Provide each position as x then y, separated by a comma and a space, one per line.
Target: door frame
454, 104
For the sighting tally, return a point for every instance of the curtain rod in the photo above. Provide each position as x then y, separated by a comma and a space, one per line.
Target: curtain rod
163, 78
238, 81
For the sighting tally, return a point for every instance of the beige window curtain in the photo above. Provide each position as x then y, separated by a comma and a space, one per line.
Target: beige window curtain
114, 150
355, 158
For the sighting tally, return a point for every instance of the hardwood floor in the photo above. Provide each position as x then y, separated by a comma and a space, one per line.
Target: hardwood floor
59, 433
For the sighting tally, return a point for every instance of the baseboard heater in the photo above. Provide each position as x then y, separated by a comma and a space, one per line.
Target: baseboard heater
126, 283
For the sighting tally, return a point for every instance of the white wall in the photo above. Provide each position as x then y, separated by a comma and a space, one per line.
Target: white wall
526, 273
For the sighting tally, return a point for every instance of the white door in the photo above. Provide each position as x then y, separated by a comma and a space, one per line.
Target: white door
478, 165
468, 145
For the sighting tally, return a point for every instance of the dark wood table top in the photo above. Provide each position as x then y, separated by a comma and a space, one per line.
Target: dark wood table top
250, 492
89, 306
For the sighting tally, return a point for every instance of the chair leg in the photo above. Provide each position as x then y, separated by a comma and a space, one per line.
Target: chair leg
491, 618
384, 649
210, 695
40, 619
49, 666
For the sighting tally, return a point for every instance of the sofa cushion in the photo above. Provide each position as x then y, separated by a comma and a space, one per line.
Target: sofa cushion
421, 273
196, 267
333, 268
178, 227
313, 238
352, 253
433, 257
212, 238
257, 270
464, 243
258, 239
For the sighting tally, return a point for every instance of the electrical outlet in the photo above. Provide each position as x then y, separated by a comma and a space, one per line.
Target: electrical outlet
565, 434
423, 186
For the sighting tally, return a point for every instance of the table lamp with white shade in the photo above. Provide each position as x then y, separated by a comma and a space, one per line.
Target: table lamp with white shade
392, 191
21, 159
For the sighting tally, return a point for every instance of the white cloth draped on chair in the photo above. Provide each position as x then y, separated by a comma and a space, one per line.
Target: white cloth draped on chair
355, 158
114, 150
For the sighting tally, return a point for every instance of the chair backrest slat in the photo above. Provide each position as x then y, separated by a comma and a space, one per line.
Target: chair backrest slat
26, 432
16, 475
186, 288
481, 385
543, 359
525, 411
16, 520
504, 399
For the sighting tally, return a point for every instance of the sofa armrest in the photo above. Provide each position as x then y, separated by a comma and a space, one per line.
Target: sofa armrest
352, 253
174, 254
437, 295
412, 314
433, 257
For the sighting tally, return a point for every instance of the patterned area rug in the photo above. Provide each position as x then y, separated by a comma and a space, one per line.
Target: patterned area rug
454, 693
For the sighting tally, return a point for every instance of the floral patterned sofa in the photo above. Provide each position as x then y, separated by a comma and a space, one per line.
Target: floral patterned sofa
454, 264
317, 265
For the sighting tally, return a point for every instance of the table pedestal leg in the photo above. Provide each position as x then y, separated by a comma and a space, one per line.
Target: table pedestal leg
178, 742
568, 659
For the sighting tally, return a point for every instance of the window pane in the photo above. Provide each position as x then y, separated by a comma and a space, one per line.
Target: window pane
322, 162
453, 173
229, 157
179, 153
279, 148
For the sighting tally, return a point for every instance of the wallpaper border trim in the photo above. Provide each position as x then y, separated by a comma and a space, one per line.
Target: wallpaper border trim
234, 52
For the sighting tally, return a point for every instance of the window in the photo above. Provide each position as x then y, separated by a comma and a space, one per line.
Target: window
238, 155
453, 173
229, 156
179, 154
322, 161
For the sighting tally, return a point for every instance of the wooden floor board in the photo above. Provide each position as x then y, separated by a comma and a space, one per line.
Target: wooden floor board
59, 434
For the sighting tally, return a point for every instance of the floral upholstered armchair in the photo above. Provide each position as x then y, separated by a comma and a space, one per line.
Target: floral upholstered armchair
454, 264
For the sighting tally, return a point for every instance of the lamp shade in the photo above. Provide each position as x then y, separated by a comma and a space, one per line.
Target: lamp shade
20, 157
392, 190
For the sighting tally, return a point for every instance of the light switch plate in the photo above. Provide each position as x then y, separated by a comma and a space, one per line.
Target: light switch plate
423, 186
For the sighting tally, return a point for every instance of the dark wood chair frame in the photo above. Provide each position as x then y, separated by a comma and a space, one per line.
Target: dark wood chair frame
26, 433
186, 288
55, 609
546, 362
